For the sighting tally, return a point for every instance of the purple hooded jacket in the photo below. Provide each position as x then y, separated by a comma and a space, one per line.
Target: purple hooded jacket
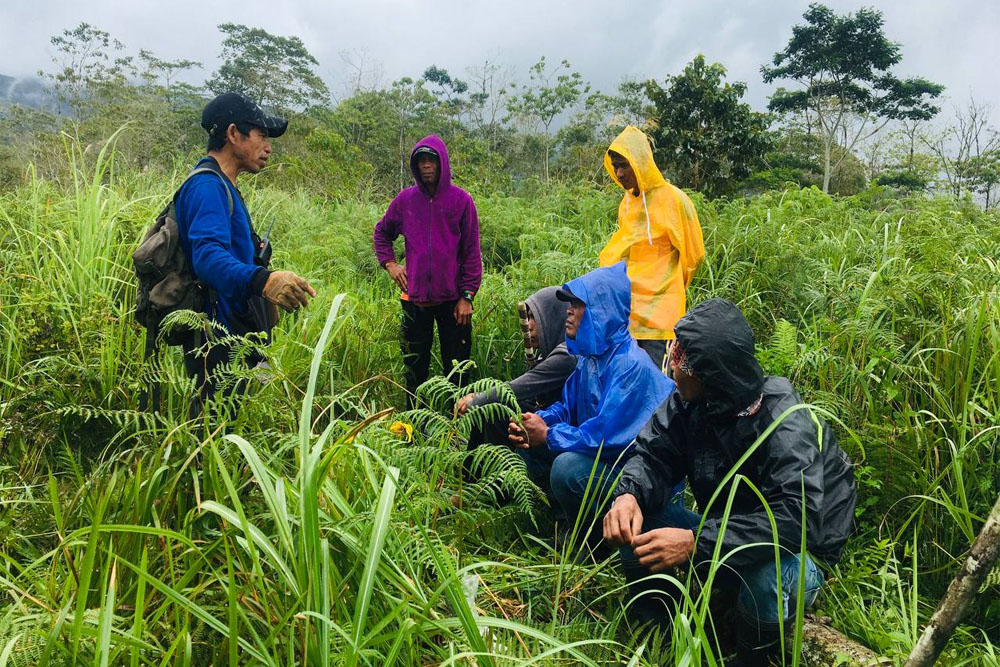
442, 235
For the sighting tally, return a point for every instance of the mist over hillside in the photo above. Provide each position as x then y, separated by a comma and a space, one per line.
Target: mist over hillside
25, 91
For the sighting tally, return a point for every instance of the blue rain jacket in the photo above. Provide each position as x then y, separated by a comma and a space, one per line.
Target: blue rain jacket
615, 388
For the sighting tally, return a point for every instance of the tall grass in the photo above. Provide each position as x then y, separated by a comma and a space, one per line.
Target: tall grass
305, 530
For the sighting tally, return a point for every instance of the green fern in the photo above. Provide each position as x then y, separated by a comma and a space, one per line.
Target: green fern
992, 579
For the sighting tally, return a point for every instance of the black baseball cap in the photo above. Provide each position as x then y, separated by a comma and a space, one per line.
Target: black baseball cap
426, 149
237, 108
564, 294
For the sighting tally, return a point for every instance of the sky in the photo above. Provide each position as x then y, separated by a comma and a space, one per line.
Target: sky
955, 43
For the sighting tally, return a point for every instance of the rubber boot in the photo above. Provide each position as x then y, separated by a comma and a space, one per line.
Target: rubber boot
758, 643
650, 603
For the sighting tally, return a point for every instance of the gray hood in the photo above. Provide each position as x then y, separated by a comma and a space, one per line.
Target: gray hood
550, 318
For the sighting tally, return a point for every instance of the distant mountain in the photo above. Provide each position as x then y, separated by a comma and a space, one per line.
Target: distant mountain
25, 91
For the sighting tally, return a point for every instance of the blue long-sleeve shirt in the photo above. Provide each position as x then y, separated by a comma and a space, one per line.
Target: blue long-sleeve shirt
219, 245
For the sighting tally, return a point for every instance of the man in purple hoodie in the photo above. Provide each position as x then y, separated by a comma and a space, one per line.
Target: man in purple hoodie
443, 266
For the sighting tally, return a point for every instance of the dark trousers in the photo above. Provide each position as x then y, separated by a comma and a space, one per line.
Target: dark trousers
418, 337
656, 349
759, 610
206, 367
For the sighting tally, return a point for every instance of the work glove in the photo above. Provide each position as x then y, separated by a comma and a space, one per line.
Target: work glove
285, 289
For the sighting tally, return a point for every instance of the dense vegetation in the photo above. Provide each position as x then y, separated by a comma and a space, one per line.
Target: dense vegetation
325, 524
317, 524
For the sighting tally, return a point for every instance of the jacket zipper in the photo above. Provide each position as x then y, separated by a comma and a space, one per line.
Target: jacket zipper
430, 224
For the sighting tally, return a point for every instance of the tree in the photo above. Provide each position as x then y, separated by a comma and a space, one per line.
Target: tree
981, 174
843, 64
550, 93
163, 73
797, 157
895, 159
489, 86
963, 151
583, 139
630, 106
274, 71
705, 137
449, 90
963, 590
88, 71
367, 72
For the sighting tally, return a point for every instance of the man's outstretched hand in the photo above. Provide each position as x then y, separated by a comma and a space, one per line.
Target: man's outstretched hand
623, 521
285, 289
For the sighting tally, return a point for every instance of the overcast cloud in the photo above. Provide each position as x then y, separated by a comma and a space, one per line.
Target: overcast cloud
954, 43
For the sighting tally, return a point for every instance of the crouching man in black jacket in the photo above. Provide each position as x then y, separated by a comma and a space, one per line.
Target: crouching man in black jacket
705, 432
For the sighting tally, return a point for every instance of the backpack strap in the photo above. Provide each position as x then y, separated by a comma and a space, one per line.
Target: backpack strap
149, 351
211, 166
207, 170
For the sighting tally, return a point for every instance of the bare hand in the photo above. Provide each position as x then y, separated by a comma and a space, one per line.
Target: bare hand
516, 436
463, 312
285, 289
659, 549
462, 406
623, 521
398, 274
536, 429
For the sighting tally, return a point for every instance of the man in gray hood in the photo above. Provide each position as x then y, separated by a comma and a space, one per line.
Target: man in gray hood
541, 385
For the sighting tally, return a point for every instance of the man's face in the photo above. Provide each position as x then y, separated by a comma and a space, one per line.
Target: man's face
532, 330
574, 315
689, 387
251, 151
624, 173
428, 167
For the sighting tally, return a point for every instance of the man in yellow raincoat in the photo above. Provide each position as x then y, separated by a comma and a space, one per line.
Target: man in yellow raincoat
659, 238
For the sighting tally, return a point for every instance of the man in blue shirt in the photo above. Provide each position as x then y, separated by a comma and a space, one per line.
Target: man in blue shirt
606, 400
227, 256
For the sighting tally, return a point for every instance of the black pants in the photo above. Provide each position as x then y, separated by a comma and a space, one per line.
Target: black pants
205, 366
418, 337
656, 349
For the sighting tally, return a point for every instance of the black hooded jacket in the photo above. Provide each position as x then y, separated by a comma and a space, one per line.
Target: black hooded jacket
703, 441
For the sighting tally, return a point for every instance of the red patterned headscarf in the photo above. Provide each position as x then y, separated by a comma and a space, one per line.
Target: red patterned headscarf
678, 359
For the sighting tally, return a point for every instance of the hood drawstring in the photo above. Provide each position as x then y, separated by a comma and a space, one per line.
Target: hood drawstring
649, 234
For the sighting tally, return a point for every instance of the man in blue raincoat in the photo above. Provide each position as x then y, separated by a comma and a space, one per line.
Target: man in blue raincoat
610, 395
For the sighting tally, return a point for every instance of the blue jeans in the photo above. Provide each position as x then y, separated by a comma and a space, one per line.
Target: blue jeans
569, 477
757, 598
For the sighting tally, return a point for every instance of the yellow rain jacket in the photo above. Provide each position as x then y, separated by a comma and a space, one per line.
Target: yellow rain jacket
659, 238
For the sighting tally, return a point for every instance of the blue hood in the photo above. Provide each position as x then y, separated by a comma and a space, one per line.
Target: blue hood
615, 388
607, 292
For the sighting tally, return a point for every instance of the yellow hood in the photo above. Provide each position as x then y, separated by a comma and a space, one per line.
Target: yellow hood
633, 145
